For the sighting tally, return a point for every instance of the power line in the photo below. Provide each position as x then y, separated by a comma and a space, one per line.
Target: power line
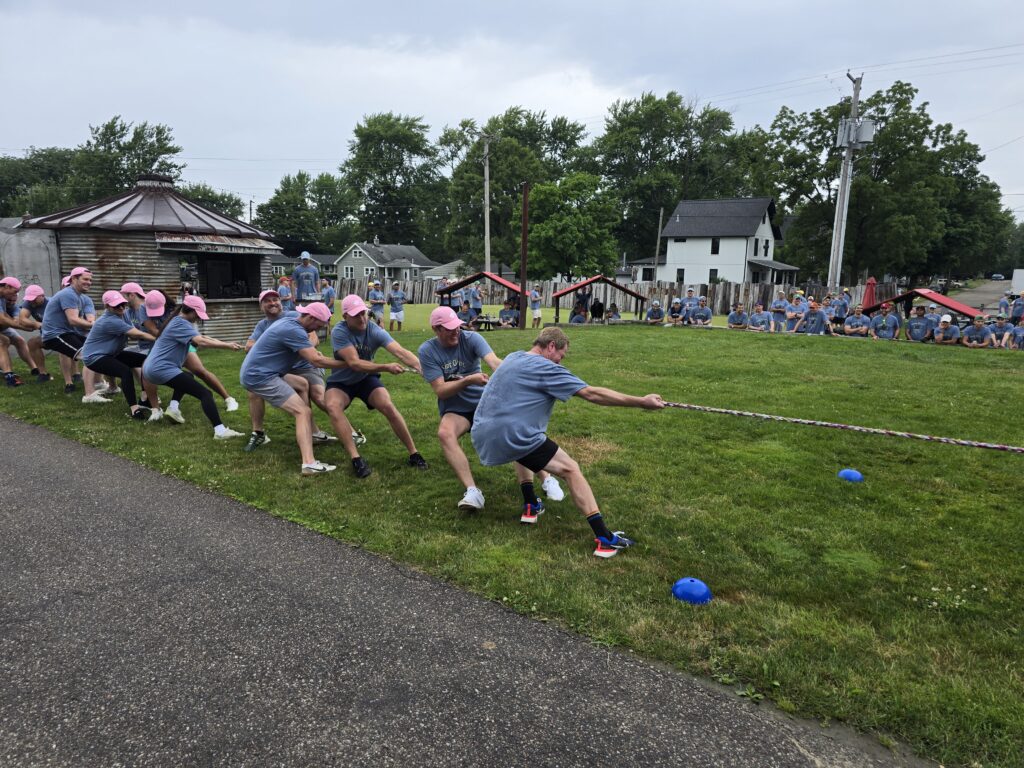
1005, 144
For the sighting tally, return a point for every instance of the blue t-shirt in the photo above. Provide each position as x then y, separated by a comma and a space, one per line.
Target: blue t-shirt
799, 309
1004, 305
690, 303
397, 300
1017, 334
702, 313
885, 326
778, 309
36, 310
508, 315
107, 337
953, 332
918, 328
144, 345
1000, 333
974, 334
465, 315
515, 408
455, 298
857, 321
534, 300
329, 297
366, 344
88, 306
169, 351
840, 306
676, 310
933, 319
376, 301
276, 352
307, 281
762, 320
1017, 308
578, 319
55, 322
738, 318
655, 313
285, 293
266, 322
476, 299
136, 317
437, 361
830, 311
815, 322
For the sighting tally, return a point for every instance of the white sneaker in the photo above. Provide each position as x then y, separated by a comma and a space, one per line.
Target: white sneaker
174, 415
552, 489
230, 404
473, 501
101, 386
317, 468
112, 391
156, 414
95, 397
322, 437
358, 437
227, 434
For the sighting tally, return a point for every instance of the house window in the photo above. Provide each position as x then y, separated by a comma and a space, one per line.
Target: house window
648, 273
715, 242
755, 277
766, 247
367, 271
679, 275
678, 239
350, 271
712, 275
357, 254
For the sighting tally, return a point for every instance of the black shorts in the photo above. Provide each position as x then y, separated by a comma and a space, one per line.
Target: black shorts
361, 389
467, 415
67, 344
539, 458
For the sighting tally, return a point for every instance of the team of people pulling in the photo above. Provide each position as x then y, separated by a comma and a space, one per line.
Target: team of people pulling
505, 412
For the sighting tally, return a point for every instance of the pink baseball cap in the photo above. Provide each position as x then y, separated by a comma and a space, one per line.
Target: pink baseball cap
352, 305
80, 271
445, 317
65, 281
113, 299
33, 292
155, 304
13, 282
316, 309
133, 288
194, 302
269, 293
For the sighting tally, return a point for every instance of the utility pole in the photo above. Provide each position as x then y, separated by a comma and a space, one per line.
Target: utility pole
250, 210
522, 256
487, 200
657, 240
849, 136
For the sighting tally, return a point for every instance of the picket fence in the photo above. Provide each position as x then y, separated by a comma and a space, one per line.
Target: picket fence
721, 296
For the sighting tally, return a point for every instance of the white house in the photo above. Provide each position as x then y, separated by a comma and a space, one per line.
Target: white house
709, 240
384, 262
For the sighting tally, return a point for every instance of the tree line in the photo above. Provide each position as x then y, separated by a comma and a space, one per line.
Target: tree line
919, 203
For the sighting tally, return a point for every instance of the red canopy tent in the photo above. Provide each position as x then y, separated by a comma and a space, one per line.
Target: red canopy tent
869, 294
557, 295
473, 278
929, 295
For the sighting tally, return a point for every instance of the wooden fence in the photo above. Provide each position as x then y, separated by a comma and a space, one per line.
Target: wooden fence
721, 296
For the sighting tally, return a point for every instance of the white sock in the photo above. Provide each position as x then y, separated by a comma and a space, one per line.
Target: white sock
220, 429
173, 405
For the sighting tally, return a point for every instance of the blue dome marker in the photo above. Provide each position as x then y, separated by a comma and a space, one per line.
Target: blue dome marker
693, 591
851, 475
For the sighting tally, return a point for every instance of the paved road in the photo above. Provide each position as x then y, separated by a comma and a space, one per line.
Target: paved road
146, 622
985, 293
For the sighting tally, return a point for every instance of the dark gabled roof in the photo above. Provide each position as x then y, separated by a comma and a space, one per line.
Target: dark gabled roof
152, 206
384, 255
774, 265
736, 217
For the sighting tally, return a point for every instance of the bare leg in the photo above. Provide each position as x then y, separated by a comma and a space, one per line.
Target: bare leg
23, 352
564, 466
35, 348
297, 407
89, 381
380, 399
257, 410
451, 428
336, 402
5, 354
67, 368
195, 365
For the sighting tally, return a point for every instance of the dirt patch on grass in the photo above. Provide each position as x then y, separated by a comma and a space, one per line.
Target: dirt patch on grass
588, 450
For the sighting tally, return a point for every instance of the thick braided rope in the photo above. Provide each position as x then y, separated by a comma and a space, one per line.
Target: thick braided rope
851, 428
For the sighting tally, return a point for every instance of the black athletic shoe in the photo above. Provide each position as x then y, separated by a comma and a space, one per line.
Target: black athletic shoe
76, 378
255, 441
13, 380
141, 414
42, 378
415, 460
69, 389
361, 468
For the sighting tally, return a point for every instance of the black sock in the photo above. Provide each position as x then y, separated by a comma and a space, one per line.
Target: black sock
598, 526
258, 432
529, 496
35, 371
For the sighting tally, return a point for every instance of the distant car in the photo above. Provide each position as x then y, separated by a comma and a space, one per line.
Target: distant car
997, 276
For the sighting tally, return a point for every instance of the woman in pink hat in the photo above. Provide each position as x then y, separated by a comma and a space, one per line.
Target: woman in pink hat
104, 352
165, 361
9, 287
30, 313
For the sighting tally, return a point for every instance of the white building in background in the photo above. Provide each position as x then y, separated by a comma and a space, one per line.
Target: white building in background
709, 240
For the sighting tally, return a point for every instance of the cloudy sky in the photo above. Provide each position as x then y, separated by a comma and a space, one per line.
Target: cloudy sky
254, 90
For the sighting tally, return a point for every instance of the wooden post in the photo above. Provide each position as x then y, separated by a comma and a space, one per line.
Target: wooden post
523, 303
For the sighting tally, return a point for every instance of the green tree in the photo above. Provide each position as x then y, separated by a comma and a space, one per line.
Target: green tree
227, 203
334, 207
37, 184
287, 214
572, 223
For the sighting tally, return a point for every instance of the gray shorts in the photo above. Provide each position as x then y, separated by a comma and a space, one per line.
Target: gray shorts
10, 333
277, 391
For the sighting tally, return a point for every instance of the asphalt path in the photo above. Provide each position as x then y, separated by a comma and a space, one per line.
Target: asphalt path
146, 622
985, 294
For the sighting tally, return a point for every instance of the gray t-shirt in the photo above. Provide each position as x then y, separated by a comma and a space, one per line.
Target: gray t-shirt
107, 337
55, 321
366, 343
452, 363
275, 353
515, 408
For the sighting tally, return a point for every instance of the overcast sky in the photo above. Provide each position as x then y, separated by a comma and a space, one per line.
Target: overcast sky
254, 90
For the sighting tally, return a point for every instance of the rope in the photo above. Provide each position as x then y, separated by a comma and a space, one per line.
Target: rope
851, 428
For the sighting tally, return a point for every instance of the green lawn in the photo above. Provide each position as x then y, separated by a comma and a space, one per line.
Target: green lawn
893, 605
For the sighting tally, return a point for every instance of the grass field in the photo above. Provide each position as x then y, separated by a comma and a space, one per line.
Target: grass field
893, 606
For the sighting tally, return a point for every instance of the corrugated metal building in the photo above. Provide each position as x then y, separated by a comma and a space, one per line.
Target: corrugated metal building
159, 239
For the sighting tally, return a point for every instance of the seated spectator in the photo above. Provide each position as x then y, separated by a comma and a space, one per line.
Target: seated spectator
885, 325
947, 332
507, 316
676, 312
1001, 332
933, 317
1017, 337
977, 335
655, 315
857, 323
467, 317
761, 320
738, 319
702, 314
918, 328
596, 311
579, 314
613, 315
814, 322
